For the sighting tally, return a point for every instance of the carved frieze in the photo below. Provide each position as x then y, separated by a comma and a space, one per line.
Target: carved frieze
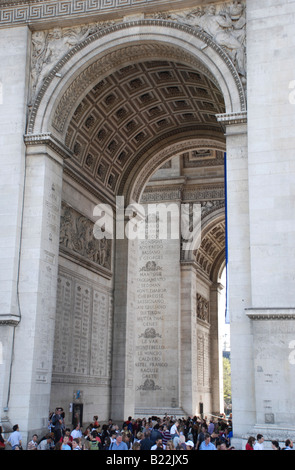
203, 309
77, 241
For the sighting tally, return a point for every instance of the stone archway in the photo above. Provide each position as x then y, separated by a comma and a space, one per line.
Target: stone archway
57, 119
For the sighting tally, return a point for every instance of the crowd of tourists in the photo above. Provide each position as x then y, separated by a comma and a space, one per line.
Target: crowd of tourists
149, 434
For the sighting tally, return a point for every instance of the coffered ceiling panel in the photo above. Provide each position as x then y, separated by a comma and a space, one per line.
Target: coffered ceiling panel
130, 109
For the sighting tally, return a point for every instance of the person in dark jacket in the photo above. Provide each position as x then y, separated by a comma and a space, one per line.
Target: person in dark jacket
146, 443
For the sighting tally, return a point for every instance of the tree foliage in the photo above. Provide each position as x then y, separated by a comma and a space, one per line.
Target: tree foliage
227, 383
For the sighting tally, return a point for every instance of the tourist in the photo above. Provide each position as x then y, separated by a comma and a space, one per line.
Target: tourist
136, 445
215, 439
250, 443
118, 444
76, 444
225, 437
179, 442
87, 432
288, 445
158, 444
58, 446
15, 438
222, 446
57, 421
95, 423
146, 442
155, 435
174, 430
275, 445
259, 442
201, 436
46, 443
166, 436
190, 445
33, 444
104, 434
76, 433
211, 427
206, 444
170, 446
65, 443
138, 437
127, 438
2, 440
67, 433
95, 441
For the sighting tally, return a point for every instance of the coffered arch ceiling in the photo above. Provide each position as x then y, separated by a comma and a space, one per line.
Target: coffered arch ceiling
210, 256
136, 108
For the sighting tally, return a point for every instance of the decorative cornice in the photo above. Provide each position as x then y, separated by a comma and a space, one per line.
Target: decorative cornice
270, 313
48, 139
9, 320
232, 118
33, 12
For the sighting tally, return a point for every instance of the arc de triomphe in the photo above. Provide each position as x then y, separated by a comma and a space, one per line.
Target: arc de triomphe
120, 105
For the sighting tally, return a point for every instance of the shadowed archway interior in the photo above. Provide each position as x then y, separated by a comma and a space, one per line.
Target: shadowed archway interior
150, 125
131, 110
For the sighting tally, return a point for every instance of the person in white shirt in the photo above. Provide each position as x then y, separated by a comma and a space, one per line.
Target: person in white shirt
158, 444
76, 433
259, 442
33, 444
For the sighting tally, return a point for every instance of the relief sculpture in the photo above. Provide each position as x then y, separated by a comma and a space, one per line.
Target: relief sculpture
76, 234
49, 46
202, 308
227, 27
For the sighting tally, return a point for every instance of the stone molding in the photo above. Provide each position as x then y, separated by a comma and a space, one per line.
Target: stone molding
9, 320
232, 118
48, 139
18, 12
270, 313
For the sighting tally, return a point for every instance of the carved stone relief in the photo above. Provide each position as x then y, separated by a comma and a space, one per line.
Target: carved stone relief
77, 238
226, 24
49, 46
202, 309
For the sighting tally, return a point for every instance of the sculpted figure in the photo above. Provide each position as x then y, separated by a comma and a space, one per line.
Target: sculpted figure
49, 47
226, 27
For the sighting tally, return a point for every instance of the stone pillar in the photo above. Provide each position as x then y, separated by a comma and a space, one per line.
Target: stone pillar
216, 322
31, 366
13, 98
271, 123
188, 340
239, 273
157, 367
123, 386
